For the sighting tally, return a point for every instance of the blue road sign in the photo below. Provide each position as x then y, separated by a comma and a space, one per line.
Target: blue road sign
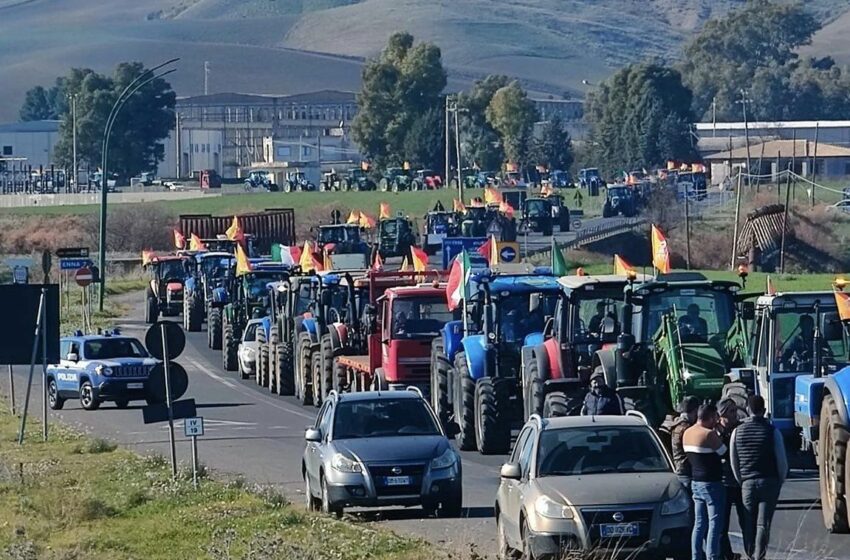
74, 264
453, 246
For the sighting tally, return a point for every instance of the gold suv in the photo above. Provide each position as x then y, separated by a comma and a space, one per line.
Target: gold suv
586, 485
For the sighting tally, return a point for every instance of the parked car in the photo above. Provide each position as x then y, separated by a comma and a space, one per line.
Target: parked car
591, 483
248, 347
381, 448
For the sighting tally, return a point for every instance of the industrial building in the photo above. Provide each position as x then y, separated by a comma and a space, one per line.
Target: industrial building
28, 143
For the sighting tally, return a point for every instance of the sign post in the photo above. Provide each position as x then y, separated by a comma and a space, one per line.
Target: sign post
192, 428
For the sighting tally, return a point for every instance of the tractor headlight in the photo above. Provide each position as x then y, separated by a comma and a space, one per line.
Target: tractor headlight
678, 504
103, 370
343, 464
548, 507
444, 461
491, 336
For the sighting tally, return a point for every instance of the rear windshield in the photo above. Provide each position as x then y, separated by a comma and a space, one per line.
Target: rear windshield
111, 348
578, 451
383, 418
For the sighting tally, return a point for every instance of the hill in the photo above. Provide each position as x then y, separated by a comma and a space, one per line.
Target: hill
293, 46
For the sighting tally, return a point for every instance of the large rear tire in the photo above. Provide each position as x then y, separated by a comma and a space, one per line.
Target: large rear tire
555, 405
440, 382
316, 370
326, 365
285, 380
303, 372
533, 388
214, 328
464, 403
492, 428
832, 451
193, 315
384, 185
262, 357
229, 347
151, 308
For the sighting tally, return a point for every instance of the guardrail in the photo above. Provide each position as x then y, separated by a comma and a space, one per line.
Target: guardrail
601, 232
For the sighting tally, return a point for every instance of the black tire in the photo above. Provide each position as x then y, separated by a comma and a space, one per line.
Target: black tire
122, 404
54, 401
344, 185
214, 327
384, 185
340, 377
311, 502
738, 393
327, 507
151, 308
533, 388
195, 315
326, 366
284, 380
304, 372
87, 399
316, 376
261, 366
832, 452
492, 428
379, 382
274, 356
464, 403
440, 382
555, 405
186, 300
229, 347
453, 506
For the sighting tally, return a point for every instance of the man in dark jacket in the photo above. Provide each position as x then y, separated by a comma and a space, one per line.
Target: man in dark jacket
602, 400
688, 416
729, 420
758, 460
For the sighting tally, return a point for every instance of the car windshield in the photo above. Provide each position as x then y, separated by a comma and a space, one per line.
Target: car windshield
794, 347
171, 269
523, 314
593, 450
592, 314
111, 348
383, 418
538, 207
250, 332
419, 317
701, 313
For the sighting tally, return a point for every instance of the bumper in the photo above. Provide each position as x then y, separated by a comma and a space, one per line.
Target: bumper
248, 366
125, 389
362, 489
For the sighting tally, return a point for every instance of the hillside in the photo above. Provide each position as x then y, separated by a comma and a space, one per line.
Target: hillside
292, 46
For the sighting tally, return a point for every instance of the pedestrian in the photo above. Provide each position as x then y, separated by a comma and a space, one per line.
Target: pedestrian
705, 451
759, 463
688, 409
601, 399
729, 420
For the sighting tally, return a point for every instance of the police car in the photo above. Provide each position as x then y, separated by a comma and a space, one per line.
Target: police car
98, 368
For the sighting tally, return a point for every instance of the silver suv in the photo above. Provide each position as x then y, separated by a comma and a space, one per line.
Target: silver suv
583, 484
381, 449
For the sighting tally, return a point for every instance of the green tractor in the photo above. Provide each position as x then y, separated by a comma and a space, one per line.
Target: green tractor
682, 335
396, 179
396, 236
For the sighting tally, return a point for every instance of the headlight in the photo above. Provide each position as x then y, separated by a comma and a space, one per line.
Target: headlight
343, 464
491, 336
678, 504
549, 508
103, 370
444, 461
249, 352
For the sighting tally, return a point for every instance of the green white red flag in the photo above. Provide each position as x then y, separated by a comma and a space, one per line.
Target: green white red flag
458, 278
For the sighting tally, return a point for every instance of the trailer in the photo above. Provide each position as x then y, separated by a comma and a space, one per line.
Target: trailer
273, 225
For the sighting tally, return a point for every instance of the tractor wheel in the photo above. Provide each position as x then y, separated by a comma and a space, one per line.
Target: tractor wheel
555, 405
440, 382
196, 316
186, 304
316, 369
415, 186
287, 186
261, 367
303, 374
533, 391
737, 393
341, 377
492, 429
284, 380
607, 212
229, 346
271, 372
326, 365
832, 453
384, 185
214, 329
151, 308
344, 185
396, 187
464, 403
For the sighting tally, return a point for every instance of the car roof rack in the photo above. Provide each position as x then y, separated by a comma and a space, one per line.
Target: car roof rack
414, 389
638, 414
333, 395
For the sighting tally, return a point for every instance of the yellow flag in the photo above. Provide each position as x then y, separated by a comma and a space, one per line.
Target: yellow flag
307, 259
195, 243
385, 211
243, 265
147, 257
660, 252
234, 232
842, 300
353, 217
621, 267
494, 251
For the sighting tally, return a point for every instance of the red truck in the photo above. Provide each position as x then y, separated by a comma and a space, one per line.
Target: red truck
407, 319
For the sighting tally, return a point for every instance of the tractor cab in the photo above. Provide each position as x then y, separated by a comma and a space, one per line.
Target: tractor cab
165, 288
620, 200
537, 215
439, 224
340, 238
396, 179
395, 237
427, 179
475, 221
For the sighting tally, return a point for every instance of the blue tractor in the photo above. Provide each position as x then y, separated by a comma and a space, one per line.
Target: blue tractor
207, 272
476, 376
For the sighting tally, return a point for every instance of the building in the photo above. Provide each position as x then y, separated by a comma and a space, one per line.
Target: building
29, 143
570, 111
830, 132
774, 156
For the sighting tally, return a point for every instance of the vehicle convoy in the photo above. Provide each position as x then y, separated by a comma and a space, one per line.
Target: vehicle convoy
164, 293
98, 368
476, 376
396, 236
619, 201
354, 179
588, 486
297, 181
395, 179
557, 364
206, 271
379, 449
820, 404
262, 228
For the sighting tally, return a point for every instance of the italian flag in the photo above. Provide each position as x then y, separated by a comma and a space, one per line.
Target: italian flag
458, 277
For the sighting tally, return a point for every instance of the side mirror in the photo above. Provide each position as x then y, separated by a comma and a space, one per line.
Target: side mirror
72, 357
510, 471
452, 430
549, 327
830, 326
748, 310
313, 435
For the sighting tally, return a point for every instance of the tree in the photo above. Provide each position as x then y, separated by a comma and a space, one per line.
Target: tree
146, 118
512, 115
640, 118
554, 147
36, 107
401, 92
480, 142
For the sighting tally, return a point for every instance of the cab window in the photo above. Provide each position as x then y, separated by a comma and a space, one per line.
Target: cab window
250, 332
64, 349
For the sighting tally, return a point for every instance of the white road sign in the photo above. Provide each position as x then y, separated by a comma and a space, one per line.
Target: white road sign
193, 426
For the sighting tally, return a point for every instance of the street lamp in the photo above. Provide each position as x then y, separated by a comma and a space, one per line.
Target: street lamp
73, 97
125, 94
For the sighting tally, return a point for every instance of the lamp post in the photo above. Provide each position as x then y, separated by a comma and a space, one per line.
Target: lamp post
131, 88
73, 97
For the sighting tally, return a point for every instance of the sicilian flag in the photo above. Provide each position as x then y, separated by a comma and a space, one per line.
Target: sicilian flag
506, 209
842, 300
179, 240
419, 259
234, 232
378, 263
492, 196
621, 267
366, 221
353, 217
458, 278
195, 243
308, 260
458, 205
486, 249
660, 252
243, 265
289, 255
384, 211
147, 257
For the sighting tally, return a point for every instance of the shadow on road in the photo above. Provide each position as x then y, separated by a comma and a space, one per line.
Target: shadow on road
205, 405
798, 505
416, 513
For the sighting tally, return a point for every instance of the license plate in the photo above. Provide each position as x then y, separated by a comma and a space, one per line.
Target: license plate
609, 530
397, 480
135, 385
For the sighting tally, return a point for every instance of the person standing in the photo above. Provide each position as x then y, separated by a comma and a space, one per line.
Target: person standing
601, 399
687, 417
729, 420
705, 451
760, 466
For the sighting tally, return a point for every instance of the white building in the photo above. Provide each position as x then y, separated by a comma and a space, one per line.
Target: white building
29, 143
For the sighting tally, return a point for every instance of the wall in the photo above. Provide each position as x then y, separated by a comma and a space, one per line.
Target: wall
37, 147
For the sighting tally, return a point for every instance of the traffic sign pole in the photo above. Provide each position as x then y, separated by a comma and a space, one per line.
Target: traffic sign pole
168, 402
195, 461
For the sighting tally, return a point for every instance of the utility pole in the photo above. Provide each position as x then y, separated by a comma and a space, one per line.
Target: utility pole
457, 146
687, 229
744, 100
446, 177
714, 116
737, 219
206, 77
74, 133
177, 141
785, 223
815, 165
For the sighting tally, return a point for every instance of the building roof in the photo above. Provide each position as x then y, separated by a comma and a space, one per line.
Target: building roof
707, 126
783, 148
31, 126
326, 96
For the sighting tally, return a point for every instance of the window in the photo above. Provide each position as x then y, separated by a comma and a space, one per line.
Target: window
591, 315
383, 418
525, 455
306, 151
320, 418
795, 342
64, 349
700, 312
111, 348
250, 333
208, 148
419, 317
520, 442
284, 151
580, 451
7, 150
327, 420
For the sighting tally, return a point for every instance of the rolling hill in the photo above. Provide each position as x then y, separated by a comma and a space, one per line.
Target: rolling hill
294, 46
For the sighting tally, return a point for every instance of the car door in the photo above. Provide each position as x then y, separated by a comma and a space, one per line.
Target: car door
313, 452
509, 490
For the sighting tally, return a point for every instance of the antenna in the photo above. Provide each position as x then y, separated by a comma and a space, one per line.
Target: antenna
206, 77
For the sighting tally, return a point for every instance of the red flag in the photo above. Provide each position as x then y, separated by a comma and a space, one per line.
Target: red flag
420, 259
486, 249
378, 263
179, 240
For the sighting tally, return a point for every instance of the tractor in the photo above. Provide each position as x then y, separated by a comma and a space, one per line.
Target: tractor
297, 181
395, 237
537, 216
290, 302
260, 180
590, 179
207, 271
557, 364
439, 224
395, 179
341, 239
164, 294
354, 180
476, 375
245, 297
619, 200
426, 179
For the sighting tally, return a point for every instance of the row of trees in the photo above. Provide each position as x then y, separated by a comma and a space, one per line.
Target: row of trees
135, 144
402, 106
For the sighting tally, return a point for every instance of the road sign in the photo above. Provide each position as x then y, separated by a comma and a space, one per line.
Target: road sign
21, 275
174, 335
74, 264
73, 253
453, 246
83, 277
155, 413
156, 382
576, 224
193, 427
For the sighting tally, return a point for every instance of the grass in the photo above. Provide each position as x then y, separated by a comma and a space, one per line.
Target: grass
74, 497
71, 316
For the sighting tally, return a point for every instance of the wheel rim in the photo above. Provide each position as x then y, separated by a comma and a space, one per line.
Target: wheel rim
51, 392
85, 395
308, 496
326, 502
